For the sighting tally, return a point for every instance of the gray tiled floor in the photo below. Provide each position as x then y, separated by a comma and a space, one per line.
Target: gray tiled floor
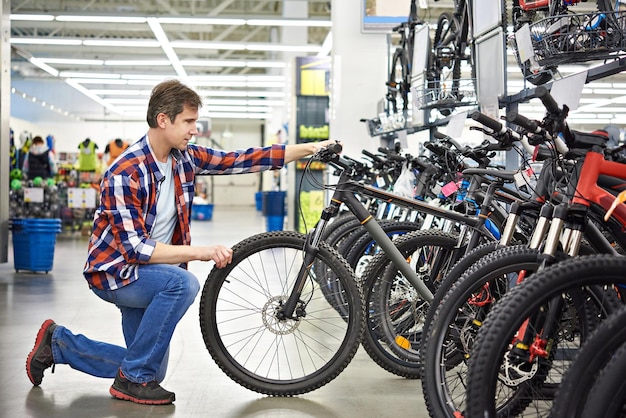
26, 299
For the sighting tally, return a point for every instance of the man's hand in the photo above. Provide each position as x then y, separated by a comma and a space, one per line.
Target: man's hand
220, 254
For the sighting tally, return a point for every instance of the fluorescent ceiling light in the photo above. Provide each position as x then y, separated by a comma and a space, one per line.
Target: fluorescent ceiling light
226, 102
31, 17
113, 92
243, 109
137, 63
74, 74
283, 48
231, 46
156, 77
226, 77
175, 20
96, 81
46, 41
609, 91
100, 19
290, 22
229, 115
201, 21
240, 93
213, 63
144, 43
270, 84
71, 61
266, 64
125, 101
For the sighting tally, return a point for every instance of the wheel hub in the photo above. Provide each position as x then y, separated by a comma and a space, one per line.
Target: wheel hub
277, 326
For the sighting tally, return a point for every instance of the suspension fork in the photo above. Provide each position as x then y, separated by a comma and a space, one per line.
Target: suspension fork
311, 250
535, 343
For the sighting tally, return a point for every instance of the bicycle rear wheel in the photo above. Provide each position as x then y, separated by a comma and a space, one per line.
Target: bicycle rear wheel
257, 349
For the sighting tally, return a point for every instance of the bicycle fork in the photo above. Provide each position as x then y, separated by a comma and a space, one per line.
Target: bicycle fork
311, 249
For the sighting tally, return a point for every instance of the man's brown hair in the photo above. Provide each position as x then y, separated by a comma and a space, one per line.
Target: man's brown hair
169, 97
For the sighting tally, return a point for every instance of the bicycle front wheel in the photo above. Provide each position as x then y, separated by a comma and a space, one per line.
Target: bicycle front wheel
249, 341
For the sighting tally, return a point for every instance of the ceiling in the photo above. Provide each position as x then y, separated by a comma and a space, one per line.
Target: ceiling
233, 63
222, 47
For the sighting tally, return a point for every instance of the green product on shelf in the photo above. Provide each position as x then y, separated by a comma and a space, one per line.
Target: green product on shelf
311, 206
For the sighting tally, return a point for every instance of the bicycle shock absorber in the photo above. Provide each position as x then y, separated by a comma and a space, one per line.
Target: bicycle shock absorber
554, 234
578, 219
509, 226
545, 214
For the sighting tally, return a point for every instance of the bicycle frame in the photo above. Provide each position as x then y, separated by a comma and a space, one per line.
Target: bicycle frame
346, 193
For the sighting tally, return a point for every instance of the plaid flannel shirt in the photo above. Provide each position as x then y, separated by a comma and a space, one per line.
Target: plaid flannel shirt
124, 220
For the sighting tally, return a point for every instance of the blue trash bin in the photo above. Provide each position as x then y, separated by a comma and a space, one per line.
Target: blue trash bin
258, 200
33, 243
274, 210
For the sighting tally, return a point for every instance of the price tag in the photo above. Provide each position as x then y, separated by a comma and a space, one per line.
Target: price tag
80, 198
33, 195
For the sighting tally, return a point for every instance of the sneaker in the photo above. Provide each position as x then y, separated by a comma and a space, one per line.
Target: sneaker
150, 393
40, 357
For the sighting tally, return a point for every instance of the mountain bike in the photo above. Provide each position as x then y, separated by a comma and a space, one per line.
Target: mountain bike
399, 81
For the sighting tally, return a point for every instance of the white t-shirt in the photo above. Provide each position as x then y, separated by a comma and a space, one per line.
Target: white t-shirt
165, 221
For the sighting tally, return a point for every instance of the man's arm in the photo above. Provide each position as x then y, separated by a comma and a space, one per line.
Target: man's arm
297, 151
175, 254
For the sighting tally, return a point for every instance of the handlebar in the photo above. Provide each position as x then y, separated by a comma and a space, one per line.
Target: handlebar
374, 157
548, 101
391, 155
533, 127
488, 122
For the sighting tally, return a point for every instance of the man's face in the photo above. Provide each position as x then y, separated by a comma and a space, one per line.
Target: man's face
180, 131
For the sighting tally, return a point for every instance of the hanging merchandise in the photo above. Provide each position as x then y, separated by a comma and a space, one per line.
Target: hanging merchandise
24, 147
114, 149
87, 158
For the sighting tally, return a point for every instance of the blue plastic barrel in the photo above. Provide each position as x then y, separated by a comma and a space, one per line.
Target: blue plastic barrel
258, 200
33, 243
274, 210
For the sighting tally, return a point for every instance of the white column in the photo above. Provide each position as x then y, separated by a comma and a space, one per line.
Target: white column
358, 77
5, 112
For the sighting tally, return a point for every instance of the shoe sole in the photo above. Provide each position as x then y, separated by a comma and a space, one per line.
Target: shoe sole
38, 340
125, 397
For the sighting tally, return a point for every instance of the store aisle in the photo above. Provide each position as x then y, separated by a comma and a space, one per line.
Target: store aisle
202, 389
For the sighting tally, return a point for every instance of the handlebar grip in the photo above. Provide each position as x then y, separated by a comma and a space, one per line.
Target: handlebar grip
523, 121
372, 156
391, 155
335, 148
548, 101
440, 135
487, 121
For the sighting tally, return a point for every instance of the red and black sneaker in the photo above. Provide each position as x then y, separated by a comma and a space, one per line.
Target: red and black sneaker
40, 357
150, 393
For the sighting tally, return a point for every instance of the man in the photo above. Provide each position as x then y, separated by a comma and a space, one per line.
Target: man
140, 246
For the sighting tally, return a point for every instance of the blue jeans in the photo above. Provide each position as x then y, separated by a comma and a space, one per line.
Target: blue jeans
151, 307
